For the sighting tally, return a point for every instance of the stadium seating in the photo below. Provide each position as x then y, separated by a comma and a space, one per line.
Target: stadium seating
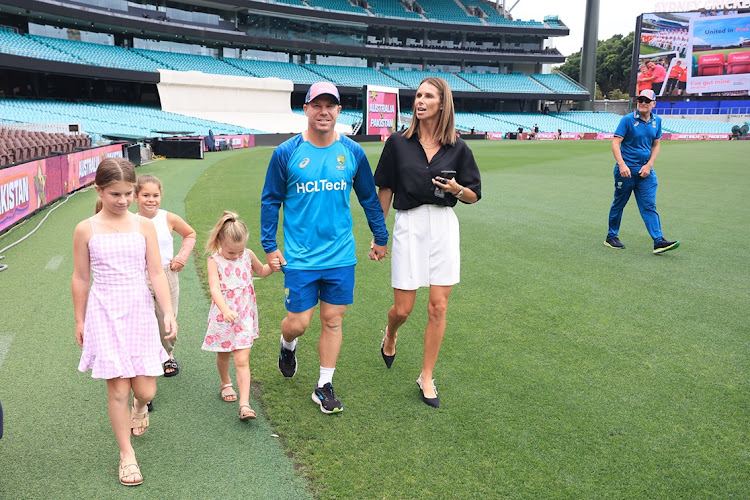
680, 126
711, 64
559, 84
265, 69
412, 79
17, 145
151, 60
348, 76
513, 83
19, 45
738, 62
339, 5
483, 122
190, 62
99, 55
389, 8
447, 11
112, 120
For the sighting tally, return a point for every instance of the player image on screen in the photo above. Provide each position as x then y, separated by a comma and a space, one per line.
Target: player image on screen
712, 48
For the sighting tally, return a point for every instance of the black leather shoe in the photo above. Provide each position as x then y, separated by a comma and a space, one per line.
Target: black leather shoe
388, 359
434, 402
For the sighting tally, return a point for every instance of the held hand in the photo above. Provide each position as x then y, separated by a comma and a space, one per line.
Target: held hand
276, 260
275, 265
170, 326
230, 317
176, 266
378, 252
624, 171
79, 334
645, 171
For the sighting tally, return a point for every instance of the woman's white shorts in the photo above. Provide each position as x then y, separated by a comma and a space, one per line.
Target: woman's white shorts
426, 248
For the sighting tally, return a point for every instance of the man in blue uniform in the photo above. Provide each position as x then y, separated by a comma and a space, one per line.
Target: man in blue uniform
312, 175
635, 147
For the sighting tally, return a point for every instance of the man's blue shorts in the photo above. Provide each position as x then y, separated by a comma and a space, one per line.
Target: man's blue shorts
303, 289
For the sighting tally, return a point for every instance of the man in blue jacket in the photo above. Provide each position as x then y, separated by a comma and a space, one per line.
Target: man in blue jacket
312, 175
635, 147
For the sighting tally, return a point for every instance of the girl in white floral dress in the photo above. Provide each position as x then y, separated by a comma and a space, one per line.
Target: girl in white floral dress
233, 317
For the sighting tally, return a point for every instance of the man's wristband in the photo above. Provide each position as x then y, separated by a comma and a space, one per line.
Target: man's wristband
460, 193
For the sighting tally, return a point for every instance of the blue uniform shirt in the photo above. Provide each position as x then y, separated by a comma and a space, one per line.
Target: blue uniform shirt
314, 185
638, 137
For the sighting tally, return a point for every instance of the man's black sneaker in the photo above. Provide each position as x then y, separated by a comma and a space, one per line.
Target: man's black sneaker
662, 245
614, 242
287, 362
327, 400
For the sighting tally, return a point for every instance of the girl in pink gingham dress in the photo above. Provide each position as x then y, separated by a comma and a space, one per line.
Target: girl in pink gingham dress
115, 321
233, 316
121, 333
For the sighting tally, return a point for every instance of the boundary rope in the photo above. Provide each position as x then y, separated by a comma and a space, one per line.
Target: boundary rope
3, 267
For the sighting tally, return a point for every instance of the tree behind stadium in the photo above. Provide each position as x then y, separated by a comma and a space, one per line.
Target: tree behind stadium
613, 64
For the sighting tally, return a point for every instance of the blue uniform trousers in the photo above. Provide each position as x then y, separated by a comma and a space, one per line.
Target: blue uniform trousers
645, 196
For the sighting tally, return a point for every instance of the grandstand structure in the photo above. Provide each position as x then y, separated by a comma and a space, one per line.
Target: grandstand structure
112, 50
97, 63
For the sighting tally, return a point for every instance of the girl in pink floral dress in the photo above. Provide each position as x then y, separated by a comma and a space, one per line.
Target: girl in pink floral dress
233, 317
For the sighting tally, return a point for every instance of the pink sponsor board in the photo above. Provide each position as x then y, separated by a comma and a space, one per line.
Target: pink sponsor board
495, 136
605, 136
546, 136
82, 165
696, 137
30, 186
381, 112
571, 136
717, 137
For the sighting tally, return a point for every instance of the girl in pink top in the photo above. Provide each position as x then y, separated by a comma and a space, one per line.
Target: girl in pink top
115, 321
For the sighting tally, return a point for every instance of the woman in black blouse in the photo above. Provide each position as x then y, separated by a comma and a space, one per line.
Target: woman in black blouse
425, 170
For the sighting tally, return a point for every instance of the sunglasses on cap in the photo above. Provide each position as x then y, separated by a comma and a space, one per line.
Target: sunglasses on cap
644, 99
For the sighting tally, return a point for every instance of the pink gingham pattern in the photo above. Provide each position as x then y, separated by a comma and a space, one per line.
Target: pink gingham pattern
121, 335
236, 282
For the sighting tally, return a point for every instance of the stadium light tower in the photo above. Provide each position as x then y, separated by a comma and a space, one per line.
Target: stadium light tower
588, 52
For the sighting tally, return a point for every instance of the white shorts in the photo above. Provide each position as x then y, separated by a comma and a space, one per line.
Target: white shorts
426, 248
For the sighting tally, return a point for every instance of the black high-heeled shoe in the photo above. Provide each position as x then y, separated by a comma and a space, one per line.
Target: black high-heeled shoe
434, 402
388, 359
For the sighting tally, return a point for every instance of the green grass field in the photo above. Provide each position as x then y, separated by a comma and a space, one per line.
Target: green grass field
726, 52
568, 370
648, 49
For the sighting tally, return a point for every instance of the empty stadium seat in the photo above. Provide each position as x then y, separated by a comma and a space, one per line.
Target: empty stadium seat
711, 64
738, 62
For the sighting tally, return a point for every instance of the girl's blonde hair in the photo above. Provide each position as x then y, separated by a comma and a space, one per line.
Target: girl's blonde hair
112, 170
229, 228
146, 179
446, 130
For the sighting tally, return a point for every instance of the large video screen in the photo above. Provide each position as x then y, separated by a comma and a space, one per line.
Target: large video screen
683, 54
